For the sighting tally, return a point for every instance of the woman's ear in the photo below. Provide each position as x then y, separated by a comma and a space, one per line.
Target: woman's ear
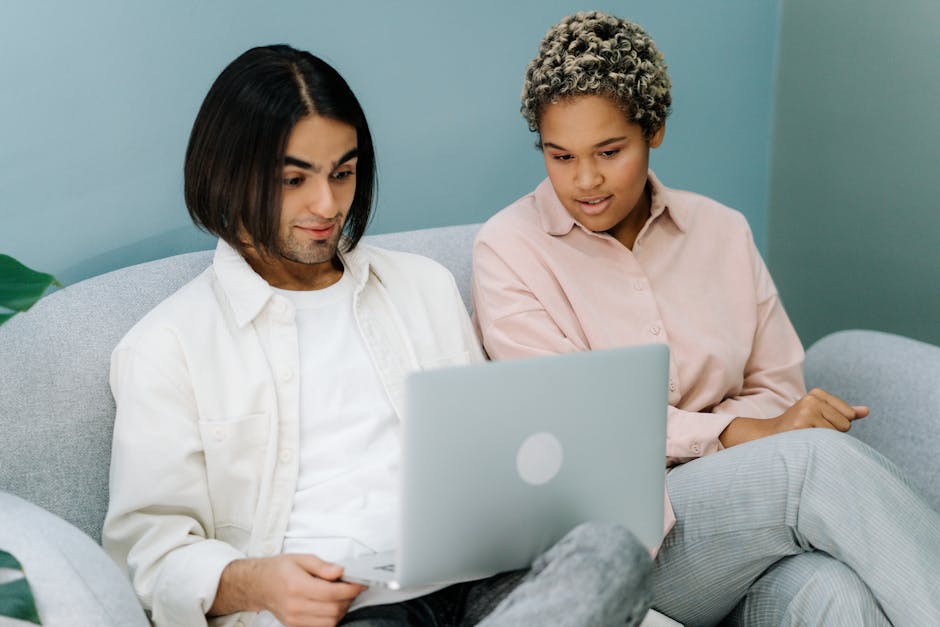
657, 139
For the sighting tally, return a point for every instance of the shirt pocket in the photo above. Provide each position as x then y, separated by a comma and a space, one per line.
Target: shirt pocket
234, 450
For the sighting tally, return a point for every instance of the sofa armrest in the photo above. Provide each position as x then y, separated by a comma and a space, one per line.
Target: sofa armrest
899, 379
73, 580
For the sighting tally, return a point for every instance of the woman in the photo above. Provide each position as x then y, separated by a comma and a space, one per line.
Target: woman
791, 523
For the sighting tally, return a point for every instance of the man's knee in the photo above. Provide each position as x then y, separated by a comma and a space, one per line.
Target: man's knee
610, 550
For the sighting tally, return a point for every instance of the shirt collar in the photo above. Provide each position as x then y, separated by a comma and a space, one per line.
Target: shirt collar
555, 219
248, 293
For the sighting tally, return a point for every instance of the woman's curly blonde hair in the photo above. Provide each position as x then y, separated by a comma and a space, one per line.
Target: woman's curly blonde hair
599, 54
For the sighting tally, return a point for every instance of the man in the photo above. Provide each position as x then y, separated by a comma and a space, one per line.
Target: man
255, 441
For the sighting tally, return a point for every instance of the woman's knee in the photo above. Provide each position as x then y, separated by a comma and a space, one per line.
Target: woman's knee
827, 447
808, 589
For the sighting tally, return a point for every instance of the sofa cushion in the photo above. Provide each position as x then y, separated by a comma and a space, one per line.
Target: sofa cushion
899, 379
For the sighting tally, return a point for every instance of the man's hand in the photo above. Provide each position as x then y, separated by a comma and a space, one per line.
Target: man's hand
300, 590
818, 409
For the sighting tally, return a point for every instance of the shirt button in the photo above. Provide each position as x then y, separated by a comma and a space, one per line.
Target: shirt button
284, 374
672, 385
639, 285
696, 448
285, 455
219, 433
655, 329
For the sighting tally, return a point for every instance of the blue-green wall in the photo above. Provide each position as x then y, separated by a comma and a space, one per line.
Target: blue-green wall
855, 200
97, 98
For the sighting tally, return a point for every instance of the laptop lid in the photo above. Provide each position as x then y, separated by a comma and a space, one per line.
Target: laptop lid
502, 459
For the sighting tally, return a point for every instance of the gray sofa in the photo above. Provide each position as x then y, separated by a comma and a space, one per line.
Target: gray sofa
56, 414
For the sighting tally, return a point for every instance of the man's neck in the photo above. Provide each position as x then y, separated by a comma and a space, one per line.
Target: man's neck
290, 275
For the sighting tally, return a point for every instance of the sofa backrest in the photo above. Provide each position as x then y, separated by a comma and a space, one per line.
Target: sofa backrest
56, 408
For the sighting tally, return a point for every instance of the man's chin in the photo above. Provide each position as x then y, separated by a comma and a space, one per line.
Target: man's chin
312, 254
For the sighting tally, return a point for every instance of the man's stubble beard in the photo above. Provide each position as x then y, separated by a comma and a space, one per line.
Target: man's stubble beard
310, 253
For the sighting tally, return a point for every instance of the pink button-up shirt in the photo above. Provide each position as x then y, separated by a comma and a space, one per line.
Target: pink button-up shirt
544, 284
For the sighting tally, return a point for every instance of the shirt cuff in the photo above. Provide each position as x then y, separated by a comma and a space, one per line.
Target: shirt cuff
693, 434
189, 581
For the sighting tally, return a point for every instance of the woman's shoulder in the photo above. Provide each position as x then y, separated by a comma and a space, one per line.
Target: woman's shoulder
519, 217
700, 213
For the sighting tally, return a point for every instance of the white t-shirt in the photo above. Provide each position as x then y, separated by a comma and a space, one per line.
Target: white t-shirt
347, 486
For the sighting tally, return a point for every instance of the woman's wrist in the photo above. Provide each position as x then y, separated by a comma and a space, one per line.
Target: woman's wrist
741, 430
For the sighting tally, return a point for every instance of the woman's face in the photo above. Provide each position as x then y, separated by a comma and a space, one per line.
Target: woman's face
597, 161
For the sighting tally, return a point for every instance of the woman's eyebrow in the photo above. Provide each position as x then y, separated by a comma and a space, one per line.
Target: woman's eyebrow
610, 140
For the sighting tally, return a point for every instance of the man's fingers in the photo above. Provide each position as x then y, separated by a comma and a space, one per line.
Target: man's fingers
317, 567
335, 591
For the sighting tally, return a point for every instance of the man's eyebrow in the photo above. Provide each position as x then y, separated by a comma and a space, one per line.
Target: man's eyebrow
288, 160
300, 163
610, 140
349, 154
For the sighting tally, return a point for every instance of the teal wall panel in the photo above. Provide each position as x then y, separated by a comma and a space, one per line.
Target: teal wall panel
855, 195
98, 97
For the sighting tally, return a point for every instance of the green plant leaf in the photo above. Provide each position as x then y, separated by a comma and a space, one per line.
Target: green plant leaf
8, 561
21, 286
16, 599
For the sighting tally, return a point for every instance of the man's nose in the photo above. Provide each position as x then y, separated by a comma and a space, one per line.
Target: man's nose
322, 200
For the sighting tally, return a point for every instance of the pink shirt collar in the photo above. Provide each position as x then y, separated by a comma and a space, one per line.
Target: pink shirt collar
555, 219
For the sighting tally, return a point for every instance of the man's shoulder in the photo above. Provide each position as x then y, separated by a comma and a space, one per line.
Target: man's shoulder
395, 263
175, 314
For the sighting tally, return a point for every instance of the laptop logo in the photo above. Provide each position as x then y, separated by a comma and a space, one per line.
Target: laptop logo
539, 458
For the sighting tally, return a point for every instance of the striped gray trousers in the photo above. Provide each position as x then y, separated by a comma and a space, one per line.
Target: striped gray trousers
803, 528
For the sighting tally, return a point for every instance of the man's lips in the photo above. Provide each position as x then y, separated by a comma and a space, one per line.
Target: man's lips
594, 205
317, 231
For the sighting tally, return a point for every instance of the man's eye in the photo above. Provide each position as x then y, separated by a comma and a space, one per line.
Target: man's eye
343, 174
292, 181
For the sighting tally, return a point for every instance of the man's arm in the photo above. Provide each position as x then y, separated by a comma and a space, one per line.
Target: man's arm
297, 589
159, 516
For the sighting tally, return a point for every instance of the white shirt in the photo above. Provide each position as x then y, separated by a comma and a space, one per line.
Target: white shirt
204, 462
347, 485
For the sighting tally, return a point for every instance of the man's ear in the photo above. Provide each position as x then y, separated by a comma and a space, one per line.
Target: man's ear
657, 139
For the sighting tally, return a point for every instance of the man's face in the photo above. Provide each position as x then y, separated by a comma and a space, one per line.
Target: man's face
318, 184
597, 162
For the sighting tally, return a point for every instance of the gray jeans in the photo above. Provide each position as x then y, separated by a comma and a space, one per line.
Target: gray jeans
806, 527
597, 575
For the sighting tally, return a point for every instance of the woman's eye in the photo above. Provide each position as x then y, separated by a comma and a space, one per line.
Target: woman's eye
562, 157
292, 181
610, 153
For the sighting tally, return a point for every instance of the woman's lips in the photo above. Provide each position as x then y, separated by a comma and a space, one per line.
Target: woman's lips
595, 205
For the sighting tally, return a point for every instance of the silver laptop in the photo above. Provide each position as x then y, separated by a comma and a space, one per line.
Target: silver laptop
502, 459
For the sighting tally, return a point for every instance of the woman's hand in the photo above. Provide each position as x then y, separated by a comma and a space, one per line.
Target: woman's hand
818, 409
300, 590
